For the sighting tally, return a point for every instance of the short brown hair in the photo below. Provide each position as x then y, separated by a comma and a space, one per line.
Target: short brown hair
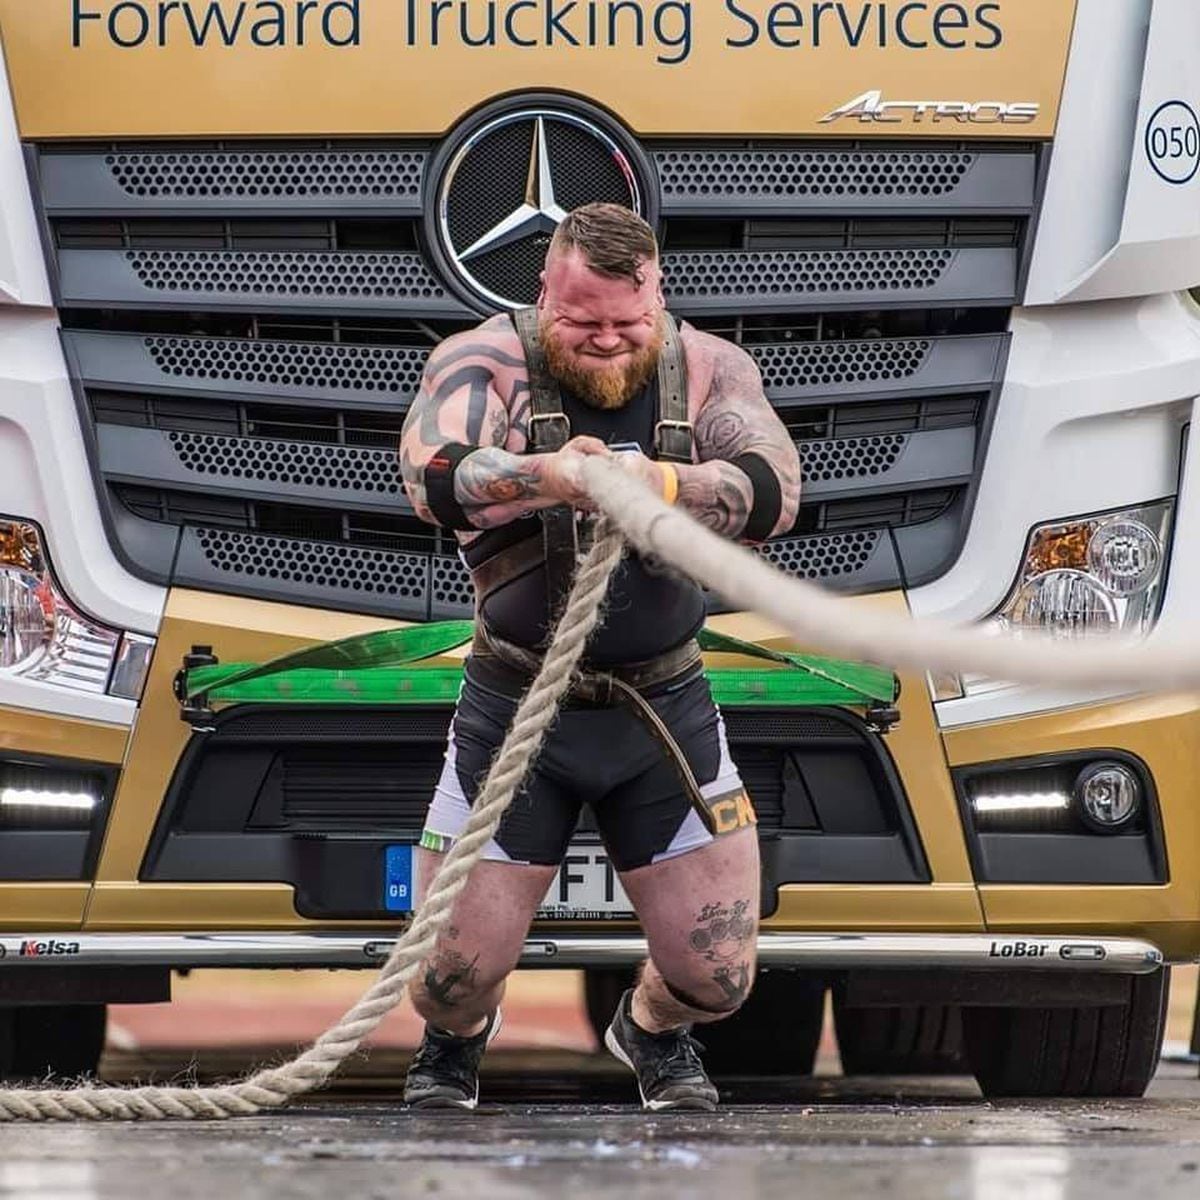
614, 240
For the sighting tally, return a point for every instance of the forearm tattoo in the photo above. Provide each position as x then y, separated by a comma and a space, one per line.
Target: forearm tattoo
735, 419
495, 487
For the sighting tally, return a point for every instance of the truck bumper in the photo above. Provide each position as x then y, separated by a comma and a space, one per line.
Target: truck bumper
834, 951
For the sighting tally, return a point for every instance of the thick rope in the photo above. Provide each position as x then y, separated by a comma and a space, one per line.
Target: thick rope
274, 1087
817, 618
742, 577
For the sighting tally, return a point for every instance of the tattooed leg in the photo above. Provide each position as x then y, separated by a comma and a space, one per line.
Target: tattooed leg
462, 982
700, 914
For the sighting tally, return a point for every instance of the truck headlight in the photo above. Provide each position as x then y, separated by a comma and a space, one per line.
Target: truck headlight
42, 635
1096, 574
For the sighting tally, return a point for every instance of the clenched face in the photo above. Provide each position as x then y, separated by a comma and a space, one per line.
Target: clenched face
602, 336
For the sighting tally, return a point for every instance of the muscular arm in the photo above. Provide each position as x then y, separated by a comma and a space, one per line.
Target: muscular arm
736, 419
459, 402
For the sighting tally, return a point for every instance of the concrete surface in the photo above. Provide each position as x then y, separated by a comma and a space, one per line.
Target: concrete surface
558, 1125
560, 1121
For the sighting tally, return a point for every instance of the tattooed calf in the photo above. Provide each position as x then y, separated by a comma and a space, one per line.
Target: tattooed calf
734, 982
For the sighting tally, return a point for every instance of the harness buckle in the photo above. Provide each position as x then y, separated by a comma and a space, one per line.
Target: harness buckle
666, 427
537, 439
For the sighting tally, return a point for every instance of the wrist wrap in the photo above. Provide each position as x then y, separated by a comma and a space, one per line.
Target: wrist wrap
768, 498
439, 485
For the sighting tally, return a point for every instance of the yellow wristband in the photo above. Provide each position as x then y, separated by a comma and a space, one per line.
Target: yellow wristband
670, 482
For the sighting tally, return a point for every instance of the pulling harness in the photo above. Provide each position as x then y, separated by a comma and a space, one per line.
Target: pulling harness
559, 549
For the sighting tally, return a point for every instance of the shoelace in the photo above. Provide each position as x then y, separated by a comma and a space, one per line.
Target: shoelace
683, 1060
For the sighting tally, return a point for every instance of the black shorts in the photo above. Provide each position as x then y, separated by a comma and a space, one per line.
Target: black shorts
600, 756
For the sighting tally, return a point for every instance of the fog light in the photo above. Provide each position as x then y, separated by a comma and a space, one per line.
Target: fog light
1109, 796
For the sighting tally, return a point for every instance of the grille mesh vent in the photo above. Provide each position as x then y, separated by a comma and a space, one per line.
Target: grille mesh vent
452, 583
306, 464
291, 560
750, 173
765, 273
292, 364
824, 363
337, 276
823, 557
850, 458
364, 173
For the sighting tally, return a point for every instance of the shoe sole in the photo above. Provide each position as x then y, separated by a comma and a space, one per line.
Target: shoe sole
692, 1103
448, 1102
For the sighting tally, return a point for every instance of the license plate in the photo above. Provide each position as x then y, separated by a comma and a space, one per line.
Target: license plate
586, 887
398, 879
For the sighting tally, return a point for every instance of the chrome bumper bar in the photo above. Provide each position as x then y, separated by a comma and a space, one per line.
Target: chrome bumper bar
830, 951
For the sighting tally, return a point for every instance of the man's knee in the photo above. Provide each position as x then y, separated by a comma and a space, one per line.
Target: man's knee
714, 994
450, 982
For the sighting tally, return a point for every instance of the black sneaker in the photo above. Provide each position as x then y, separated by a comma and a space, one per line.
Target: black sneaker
667, 1065
444, 1072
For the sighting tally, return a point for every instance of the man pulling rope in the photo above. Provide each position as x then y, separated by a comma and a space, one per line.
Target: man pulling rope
493, 447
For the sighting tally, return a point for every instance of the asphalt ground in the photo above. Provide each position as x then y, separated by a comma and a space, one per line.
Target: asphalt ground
559, 1120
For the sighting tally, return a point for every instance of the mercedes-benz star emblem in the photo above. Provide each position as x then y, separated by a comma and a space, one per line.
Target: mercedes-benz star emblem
510, 184
539, 214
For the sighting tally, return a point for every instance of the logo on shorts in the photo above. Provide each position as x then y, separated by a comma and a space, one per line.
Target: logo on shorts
732, 812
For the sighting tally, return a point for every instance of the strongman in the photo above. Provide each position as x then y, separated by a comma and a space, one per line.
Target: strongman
491, 449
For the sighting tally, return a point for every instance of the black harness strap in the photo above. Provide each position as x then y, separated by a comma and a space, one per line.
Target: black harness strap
549, 430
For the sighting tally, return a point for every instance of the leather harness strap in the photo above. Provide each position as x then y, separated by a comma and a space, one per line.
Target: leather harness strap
673, 431
549, 430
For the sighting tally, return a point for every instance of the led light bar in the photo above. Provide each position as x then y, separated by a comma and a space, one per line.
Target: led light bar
1022, 802
11, 797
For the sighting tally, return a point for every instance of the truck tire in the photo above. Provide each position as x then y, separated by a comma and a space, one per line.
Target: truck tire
60, 1040
776, 1032
1084, 1051
902, 1039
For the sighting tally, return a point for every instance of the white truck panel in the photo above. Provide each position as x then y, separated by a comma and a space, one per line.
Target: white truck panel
1090, 419
1121, 215
22, 268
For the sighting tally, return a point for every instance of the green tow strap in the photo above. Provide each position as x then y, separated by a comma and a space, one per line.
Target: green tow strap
391, 667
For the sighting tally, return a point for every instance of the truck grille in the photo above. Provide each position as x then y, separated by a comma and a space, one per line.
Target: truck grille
247, 323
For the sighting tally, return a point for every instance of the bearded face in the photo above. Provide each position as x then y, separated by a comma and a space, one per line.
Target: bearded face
601, 381
602, 334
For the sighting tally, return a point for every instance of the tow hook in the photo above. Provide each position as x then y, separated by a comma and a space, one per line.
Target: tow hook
194, 709
880, 718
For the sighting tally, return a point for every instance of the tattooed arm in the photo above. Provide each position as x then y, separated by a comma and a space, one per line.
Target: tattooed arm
736, 419
459, 402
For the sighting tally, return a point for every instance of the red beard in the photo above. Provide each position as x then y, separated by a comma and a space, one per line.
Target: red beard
608, 387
